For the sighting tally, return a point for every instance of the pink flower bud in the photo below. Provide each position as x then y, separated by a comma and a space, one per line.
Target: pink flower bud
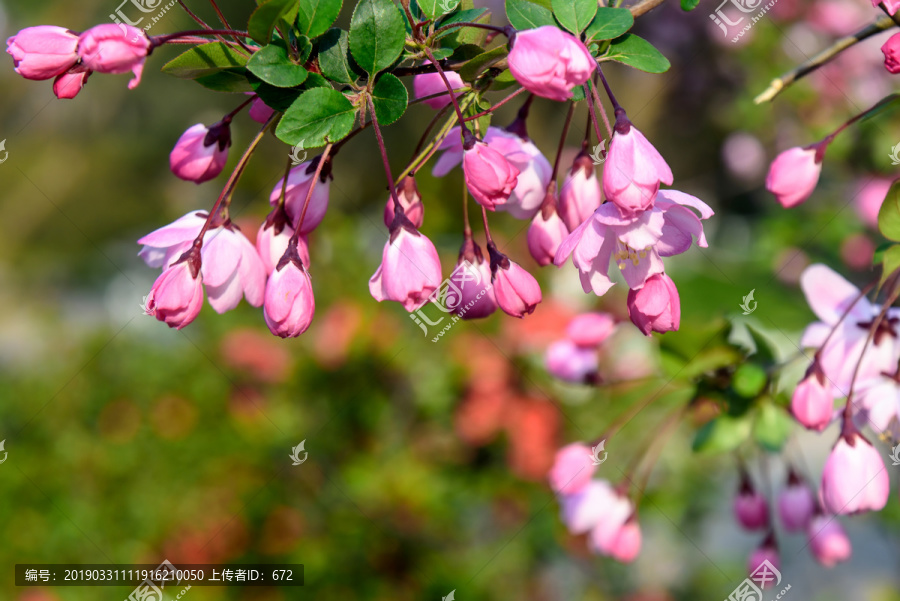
589, 330
534, 176
427, 84
796, 504
794, 174
410, 202
289, 302
272, 242
114, 48
767, 551
828, 542
655, 307
633, 170
550, 62
410, 269
43, 52
69, 84
626, 545
177, 295
607, 536
813, 402
596, 501
489, 176
518, 293
750, 507
201, 153
546, 233
890, 5
580, 195
477, 299
571, 363
260, 111
572, 469
298, 182
854, 478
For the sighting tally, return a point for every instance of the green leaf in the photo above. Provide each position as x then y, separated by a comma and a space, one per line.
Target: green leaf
279, 99
316, 81
317, 117
609, 24
481, 62
889, 214
523, 14
390, 98
687, 5
772, 427
265, 18
377, 34
722, 433
574, 15
273, 65
435, 8
749, 380
577, 94
890, 263
314, 17
226, 80
503, 81
765, 350
333, 48
465, 35
638, 53
204, 59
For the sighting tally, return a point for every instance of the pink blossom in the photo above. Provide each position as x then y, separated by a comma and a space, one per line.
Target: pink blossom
828, 542
114, 48
656, 306
854, 479
580, 195
572, 363
796, 504
489, 176
589, 330
794, 174
427, 84
813, 402
410, 269
750, 507
517, 292
231, 267
869, 198
636, 242
272, 242
177, 295
625, 546
891, 50
201, 153
572, 469
546, 233
472, 276
289, 301
410, 202
260, 111
633, 170
890, 5
70, 83
609, 535
766, 552
43, 52
298, 182
550, 62
593, 503
879, 401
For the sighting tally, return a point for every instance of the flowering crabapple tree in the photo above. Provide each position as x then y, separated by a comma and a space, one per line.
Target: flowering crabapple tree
315, 86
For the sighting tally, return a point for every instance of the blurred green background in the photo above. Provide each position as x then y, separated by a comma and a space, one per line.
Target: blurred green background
132, 443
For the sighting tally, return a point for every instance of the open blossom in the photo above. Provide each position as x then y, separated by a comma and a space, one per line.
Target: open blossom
572, 469
636, 242
534, 175
584, 509
201, 153
410, 202
177, 295
546, 233
289, 302
750, 507
472, 276
427, 84
114, 48
813, 401
794, 174
828, 542
231, 268
879, 399
43, 52
829, 295
796, 504
580, 195
410, 269
854, 479
517, 292
633, 170
550, 62
298, 182
489, 176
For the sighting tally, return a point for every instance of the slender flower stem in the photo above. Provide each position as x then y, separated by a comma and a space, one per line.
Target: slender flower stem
239, 108
199, 22
383, 150
599, 103
504, 30
228, 190
562, 145
227, 26
163, 39
437, 117
440, 70
656, 444
487, 230
609, 92
859, 297
874, 108
323, 158
495, 107
587, 93
284, 182
432, 146
643, 7
467, 228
